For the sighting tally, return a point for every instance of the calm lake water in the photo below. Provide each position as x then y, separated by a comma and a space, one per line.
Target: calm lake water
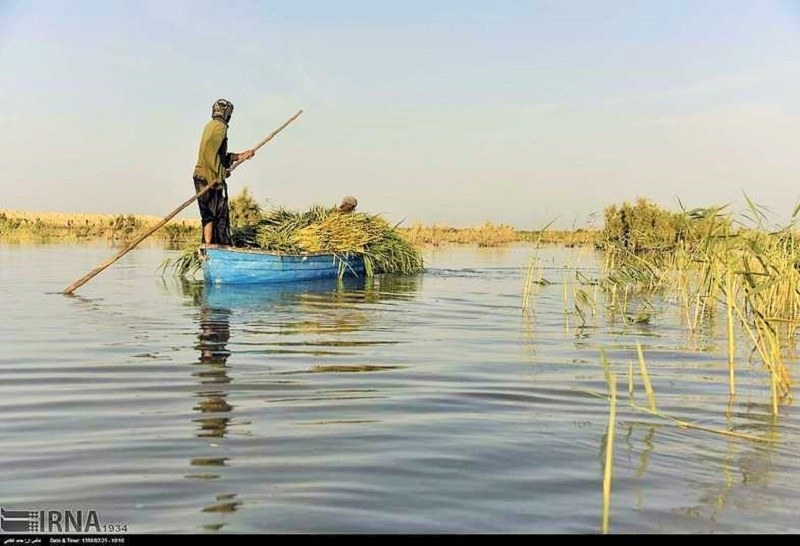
408, 404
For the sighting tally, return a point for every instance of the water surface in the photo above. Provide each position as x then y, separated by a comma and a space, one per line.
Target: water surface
428, 404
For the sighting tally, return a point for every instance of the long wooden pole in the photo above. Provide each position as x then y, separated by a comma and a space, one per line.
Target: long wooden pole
86, 278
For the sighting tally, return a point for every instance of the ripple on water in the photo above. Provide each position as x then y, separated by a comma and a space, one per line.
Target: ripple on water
421, 404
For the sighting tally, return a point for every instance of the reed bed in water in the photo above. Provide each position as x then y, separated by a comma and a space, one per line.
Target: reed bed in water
712, 261
489, 234
485, 235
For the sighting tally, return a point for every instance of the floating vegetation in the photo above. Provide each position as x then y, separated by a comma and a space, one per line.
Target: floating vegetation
319, 368
186, 264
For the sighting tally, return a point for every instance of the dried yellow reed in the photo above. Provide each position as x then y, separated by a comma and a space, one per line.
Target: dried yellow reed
609, 464
648, 387
730, 303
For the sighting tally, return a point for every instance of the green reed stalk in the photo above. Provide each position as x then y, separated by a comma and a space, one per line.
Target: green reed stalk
774, 388
729, 303
764, 354
526, 293
609, 463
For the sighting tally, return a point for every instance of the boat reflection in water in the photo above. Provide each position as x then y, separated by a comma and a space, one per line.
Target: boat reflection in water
329, 306
348, 289
289, 307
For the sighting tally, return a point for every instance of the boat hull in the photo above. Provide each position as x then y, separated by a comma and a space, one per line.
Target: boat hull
240, 266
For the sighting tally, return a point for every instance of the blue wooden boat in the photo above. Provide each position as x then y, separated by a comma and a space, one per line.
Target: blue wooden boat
248, 266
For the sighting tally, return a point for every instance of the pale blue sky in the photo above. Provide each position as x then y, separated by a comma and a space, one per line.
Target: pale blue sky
448, 111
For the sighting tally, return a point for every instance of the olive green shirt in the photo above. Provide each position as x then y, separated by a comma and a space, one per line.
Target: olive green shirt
213, 157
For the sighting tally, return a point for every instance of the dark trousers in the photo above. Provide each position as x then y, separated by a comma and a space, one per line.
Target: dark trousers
214, 208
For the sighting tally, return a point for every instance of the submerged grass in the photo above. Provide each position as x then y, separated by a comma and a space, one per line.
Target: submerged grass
186, 264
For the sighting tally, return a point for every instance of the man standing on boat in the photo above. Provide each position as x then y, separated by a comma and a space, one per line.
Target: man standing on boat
213, 162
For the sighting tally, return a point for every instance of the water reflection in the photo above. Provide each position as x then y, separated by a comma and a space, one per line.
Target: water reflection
211, 367
268, 319
640, 472
744, 464
326, 306
339, 291
212, 372
738, 466
211, 393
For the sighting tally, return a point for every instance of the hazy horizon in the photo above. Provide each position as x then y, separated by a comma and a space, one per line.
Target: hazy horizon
445, 112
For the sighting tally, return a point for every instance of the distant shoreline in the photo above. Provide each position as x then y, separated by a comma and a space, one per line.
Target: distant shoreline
64, 217
55, 226
49, 226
